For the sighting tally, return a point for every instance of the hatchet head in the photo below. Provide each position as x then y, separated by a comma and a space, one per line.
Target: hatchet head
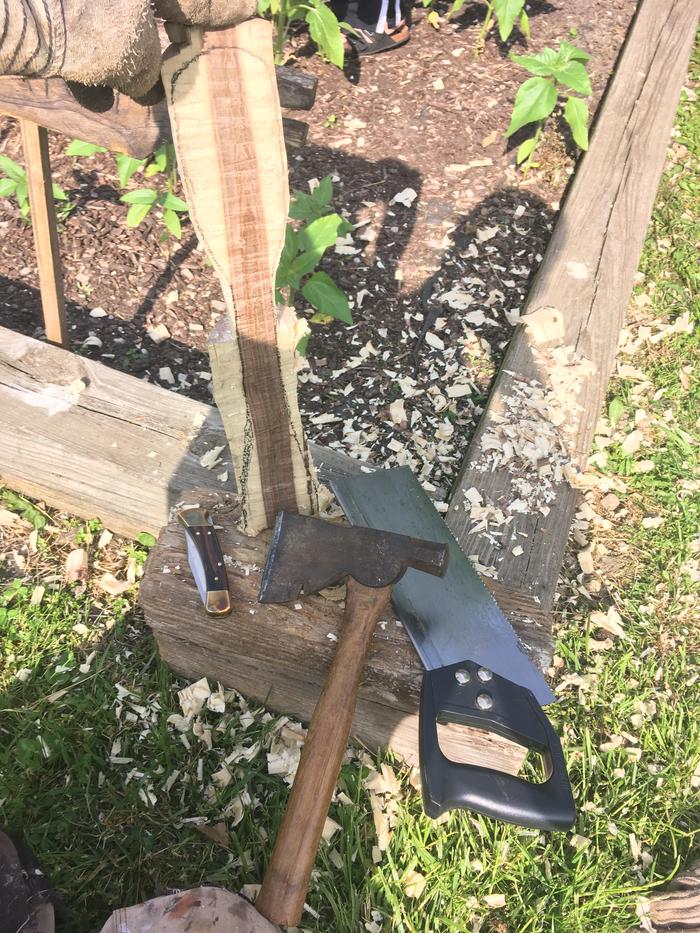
308, 554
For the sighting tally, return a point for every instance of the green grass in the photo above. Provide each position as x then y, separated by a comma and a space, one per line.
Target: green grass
105, 844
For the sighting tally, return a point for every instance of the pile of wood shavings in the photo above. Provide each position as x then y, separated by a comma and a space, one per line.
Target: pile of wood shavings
531, 435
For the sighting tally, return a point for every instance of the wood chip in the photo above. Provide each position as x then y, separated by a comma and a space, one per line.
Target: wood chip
109, 583
217, 832
76, 567
610, 621
414, 884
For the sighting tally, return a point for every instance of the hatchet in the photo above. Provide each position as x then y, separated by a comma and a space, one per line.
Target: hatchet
306, 555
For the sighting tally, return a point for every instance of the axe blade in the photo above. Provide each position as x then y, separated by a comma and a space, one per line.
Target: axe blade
309, 554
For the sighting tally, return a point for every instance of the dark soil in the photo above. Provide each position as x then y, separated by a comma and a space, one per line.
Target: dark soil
429, 117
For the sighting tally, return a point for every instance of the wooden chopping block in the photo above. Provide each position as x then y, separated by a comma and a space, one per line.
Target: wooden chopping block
279, 655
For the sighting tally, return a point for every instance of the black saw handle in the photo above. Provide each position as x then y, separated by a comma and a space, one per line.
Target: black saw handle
471, 695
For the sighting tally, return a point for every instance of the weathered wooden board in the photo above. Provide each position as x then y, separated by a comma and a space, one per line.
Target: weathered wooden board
587, 274
280, 654
119, 448
126, 126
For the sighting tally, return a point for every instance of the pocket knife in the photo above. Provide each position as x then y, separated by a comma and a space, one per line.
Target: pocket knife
206, 560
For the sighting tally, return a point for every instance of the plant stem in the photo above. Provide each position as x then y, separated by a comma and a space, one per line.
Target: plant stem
481, 38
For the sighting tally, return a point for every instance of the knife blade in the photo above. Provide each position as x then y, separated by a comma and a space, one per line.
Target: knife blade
476, 673
206, 560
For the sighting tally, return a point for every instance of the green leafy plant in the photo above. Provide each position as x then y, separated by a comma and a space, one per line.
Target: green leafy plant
322, 23
23, 507
556, 75
503, 12
304, 247
143, 200
15, 184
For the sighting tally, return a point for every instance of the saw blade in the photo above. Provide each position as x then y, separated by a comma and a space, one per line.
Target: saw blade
449, 619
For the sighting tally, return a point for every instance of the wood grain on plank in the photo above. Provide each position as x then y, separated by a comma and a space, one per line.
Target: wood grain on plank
587, 274
43, 215
226, 122
280, 655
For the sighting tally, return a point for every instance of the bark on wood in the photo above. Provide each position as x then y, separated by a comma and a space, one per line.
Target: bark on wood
125, 126
226, 123
99, 442
280, 655
678, 908
587, 274
43, 213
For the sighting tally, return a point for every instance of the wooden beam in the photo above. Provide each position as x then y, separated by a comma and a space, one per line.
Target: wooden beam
126, 126
225, 116
280, 654
586, 277
98, 442
43, 214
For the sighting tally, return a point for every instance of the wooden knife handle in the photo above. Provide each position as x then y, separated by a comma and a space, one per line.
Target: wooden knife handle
283, 891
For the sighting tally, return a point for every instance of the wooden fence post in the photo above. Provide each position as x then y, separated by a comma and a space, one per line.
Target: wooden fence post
35, 142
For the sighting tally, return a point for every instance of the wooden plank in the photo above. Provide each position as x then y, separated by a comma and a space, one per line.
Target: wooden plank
117, 448
280, 655
587, 275
126, 126
43, 214
225, 116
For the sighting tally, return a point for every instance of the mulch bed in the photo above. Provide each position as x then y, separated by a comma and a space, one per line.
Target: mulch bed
436, 281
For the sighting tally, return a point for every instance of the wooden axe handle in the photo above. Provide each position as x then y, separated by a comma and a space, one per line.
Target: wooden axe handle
286, 881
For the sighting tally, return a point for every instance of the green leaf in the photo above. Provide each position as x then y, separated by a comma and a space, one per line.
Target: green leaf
526, 149
140, 196
58, 193
456, 7
507, 11
569, 52
303, 344
22, 192
11, 169
172, 202
304, 263
172, 222
17, 503
77, 147
324, 29
323, 192
323, 294
576, 115
126, 167
7, 187
291, 246
534, 101
525, 24
306, 206
136, 214
540, 64
146, 539
574, 75
616, 409
321, 233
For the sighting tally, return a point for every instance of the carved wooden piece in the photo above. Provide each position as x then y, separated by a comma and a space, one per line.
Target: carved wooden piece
280, 655
43, 214
127, 126
226, 123
587, 274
